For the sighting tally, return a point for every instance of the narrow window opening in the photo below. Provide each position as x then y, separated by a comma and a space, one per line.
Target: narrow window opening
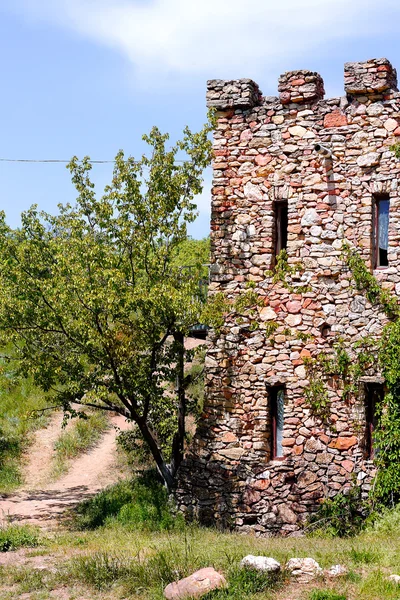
381, 231
281, 226
277, 413
325, 330
373, 397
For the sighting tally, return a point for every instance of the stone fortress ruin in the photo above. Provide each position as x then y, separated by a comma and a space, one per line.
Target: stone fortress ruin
301, 173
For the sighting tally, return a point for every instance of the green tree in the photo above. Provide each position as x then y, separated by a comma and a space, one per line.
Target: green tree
191, 252
93, 300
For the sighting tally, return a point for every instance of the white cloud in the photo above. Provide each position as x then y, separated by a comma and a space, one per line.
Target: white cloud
164, 39
224, 38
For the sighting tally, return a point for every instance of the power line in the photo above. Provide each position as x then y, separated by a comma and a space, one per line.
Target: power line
57, 160
52, 160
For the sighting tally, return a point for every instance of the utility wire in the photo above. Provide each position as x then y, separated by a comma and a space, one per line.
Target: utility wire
56, 160
32, 160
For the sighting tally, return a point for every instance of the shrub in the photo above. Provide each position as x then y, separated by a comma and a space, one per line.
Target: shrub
326, 595
244, 582
13, 537
135, 451
387, 521
100, 569
363, 556
142, 504
93, 512
343, 516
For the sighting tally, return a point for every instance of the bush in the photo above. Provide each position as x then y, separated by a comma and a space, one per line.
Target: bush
93, 512
135, 450
100, 569
326, 595
385, 522
343, 516
364, 557
142, 504
244, 582
103, 570
13, 537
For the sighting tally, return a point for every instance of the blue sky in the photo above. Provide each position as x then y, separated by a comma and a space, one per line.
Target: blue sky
88, 77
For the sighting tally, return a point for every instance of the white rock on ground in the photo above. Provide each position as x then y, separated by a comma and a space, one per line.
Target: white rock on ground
196, 585
337, 571
394, 578
260, 563
304, 569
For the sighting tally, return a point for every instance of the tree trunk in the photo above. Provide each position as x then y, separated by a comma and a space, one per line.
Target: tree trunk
179, 437
162, 466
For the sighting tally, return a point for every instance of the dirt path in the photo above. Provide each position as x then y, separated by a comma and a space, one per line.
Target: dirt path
38, 459
43, 503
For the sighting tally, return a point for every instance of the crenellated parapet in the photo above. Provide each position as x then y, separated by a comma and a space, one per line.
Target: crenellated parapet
369, 79
300, 86
375, 76
235, 93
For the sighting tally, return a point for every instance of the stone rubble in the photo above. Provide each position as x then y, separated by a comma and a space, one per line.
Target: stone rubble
261, 563
304, 570
196, 585
337, 571
263, 155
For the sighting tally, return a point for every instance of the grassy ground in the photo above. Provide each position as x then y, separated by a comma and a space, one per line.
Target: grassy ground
113, 562
135, 550
17, 401
82, 435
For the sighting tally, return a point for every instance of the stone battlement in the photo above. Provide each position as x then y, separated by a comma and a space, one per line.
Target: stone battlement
373, 78
236, 93
300, 86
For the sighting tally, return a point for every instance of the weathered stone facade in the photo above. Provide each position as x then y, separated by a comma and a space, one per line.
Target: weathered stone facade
264, 153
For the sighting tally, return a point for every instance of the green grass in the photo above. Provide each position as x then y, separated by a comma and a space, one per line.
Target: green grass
248, 583
17, 402
13, 537
364, 556
103, 570
125, 550
139, 504
326, 595
82, 435
114, 561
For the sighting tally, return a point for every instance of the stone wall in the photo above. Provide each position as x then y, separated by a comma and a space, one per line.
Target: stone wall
264, 153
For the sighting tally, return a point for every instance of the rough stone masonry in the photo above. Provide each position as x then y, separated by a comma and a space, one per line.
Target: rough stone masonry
264, 157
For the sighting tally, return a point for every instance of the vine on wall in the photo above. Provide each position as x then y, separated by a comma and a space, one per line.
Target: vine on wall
243, 308
284, 273
343, 369
386, 489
